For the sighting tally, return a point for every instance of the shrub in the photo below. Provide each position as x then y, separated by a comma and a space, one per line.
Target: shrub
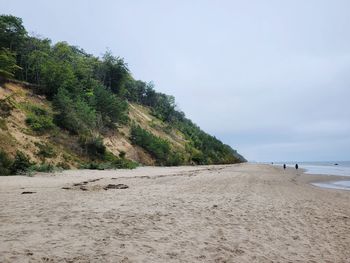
45, 150
93, 146
124, 164
122, 154
3, 125
156, 146
20, 164
38, 110
175, 159
92, 166
110, 161
5, 108
44, 168
63, 165
199, 158
5, 163
39, 120
119, 163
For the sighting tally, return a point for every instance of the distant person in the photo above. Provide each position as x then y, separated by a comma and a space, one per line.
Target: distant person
284, 166
296, 166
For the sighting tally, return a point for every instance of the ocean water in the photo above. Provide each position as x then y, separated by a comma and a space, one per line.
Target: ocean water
342, 185
328, 168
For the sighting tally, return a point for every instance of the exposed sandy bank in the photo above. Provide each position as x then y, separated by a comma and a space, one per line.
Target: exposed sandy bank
238, 213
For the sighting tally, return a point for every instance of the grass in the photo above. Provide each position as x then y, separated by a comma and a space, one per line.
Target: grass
45, 150
3, 125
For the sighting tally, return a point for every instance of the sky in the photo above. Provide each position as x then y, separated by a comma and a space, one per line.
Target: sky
270, 78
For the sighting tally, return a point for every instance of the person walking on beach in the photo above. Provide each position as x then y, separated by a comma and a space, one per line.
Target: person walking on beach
296, 166
284, 166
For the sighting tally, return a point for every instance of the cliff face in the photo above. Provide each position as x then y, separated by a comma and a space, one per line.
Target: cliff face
60, 106
20, 130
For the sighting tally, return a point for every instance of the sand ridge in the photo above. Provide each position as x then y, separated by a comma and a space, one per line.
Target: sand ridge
233, 213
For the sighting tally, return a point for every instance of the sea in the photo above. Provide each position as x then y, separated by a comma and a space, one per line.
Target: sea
340, 168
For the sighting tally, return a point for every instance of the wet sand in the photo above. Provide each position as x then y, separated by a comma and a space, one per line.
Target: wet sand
236, 213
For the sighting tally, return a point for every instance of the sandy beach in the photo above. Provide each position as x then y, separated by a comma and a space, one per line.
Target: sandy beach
234, 213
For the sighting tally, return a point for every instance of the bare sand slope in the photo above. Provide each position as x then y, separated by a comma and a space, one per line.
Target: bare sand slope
238, 213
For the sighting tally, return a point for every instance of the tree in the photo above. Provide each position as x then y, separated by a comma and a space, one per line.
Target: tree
112, 108
114, 73
12, 32
135, 90
32, 55
57, 71
8, 64
75, 115
90, 94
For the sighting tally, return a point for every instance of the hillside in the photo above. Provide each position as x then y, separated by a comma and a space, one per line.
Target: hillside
62, 107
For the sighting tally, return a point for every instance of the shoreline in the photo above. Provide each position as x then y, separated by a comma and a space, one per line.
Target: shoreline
314, 179
224, 213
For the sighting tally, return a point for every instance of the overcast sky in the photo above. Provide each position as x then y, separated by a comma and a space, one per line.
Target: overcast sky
270, 78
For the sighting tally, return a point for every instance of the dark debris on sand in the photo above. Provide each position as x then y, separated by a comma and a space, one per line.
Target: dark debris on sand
115, 186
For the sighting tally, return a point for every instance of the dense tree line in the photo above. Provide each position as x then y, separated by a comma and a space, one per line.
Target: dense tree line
91, 94
84, 88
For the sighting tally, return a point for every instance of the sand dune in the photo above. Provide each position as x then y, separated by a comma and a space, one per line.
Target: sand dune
236, 213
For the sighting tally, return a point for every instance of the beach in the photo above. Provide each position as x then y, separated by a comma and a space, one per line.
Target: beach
224, 213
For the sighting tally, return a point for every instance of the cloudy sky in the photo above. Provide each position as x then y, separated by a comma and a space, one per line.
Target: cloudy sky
271, 78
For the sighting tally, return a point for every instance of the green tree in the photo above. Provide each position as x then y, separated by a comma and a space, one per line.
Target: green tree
57, 71
112, 108
8, 64
32, 57
114, 73
12, 32
135, 90
91, 94
74, 115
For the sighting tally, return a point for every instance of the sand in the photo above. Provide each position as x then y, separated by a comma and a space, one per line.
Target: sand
235, 213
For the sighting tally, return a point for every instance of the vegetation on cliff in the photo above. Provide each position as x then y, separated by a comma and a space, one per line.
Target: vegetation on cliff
91, 96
